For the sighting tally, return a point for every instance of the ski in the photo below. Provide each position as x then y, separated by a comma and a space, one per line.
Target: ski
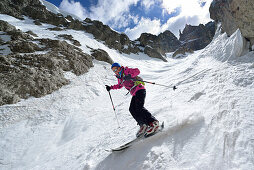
130, 143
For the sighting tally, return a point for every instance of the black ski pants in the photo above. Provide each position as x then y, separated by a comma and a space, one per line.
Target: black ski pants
137, 109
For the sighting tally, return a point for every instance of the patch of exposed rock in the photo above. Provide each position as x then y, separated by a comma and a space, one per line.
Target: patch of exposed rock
31, 8
24, 75
182, 52
23, 47
56, 29
102, 55
70, 57
234, 14
113, 39
32, 33
15, 34
163, 43
197, 37
153, 53
6, 27
70, 38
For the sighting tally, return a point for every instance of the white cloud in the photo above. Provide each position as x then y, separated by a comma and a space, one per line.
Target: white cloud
144, 25
191, 13
189, 8
74, 8
147, 3
178, 23
135, 19
115, 12
111, 12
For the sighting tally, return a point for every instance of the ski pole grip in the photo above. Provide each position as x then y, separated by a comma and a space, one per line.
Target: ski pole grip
174, 88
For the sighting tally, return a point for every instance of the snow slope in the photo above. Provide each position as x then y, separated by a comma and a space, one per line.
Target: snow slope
52, 8
208, 119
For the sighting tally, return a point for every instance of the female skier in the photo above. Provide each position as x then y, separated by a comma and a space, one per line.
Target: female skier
128, 78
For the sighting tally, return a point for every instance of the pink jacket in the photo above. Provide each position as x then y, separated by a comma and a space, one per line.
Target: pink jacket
128, 84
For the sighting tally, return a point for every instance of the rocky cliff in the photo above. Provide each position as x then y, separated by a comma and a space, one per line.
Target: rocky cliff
197, 37
234, 14
163, 43
25, 73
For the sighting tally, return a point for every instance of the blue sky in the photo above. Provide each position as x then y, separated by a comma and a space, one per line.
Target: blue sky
134, 17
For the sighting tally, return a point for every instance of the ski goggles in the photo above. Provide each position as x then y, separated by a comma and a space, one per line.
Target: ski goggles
115, 70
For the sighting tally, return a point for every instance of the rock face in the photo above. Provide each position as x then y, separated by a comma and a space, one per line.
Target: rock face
197, 37
31, 8
156, 46
192, 38
6, 27
24, 75
163, 43
234, 14
181, 52
113, 39
153, 53
102, 55
70, 38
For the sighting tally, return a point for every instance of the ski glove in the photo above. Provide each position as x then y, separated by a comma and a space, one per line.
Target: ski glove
108, 87
127, 77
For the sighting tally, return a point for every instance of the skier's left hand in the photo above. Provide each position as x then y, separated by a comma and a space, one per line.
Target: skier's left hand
127, 77
108, 87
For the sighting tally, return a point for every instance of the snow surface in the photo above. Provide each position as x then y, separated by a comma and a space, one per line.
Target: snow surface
208, 119
52, 8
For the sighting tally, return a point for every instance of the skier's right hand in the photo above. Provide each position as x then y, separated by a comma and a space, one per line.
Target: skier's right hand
108, 87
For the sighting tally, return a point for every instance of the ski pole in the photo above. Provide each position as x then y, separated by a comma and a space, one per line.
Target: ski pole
174, 87
113, 108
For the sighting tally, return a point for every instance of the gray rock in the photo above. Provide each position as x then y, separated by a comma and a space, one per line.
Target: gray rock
32, 33
182, 51
76, 42
1, 41
31, 8
36, 75
55, 29
23, 47
78, 61
27, 75
102, 55
11, 8
37, 22
153, 53
111, 38
70, 38
6, 27
197, 37
158, 46
163, 43
7, 97
234, 14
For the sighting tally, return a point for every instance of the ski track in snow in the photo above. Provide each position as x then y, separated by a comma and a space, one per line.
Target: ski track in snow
208, 119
